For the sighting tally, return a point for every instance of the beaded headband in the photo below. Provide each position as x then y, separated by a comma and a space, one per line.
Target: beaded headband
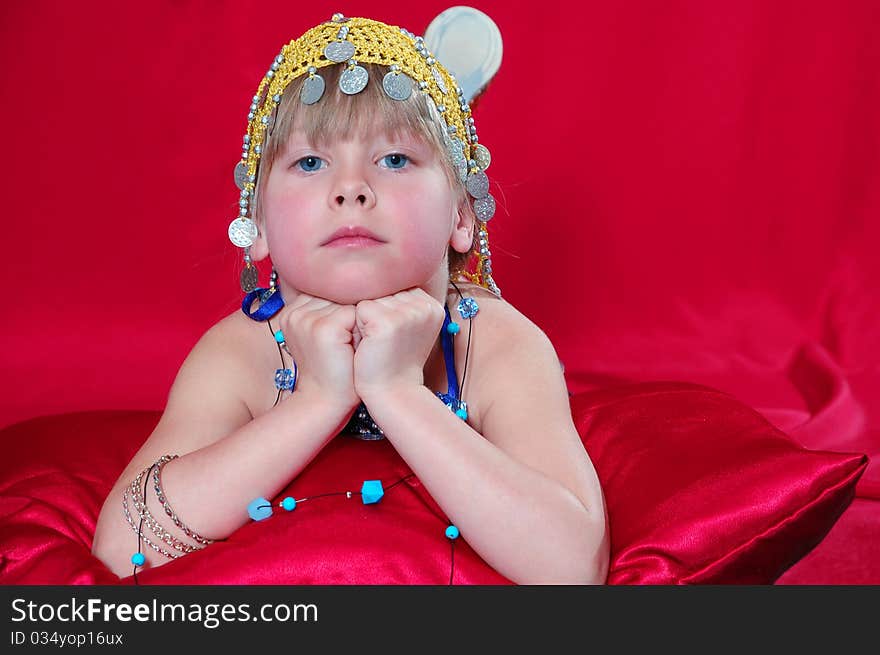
412, 69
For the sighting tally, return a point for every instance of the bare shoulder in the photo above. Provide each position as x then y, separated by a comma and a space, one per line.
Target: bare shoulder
217, 358
209, 396
505, 345
502, 328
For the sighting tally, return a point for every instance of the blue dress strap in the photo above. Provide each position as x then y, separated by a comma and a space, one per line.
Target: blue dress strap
446, 342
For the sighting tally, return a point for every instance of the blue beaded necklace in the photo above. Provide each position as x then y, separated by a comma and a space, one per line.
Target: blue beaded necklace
372, 491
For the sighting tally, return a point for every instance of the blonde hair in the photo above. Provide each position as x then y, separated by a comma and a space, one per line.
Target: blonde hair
338, 115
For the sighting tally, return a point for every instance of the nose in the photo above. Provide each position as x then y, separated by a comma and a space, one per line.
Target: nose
352, 190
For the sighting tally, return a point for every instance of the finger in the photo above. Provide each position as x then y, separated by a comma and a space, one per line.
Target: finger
368, 311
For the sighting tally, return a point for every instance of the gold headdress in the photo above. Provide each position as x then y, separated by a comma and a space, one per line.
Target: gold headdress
412, 69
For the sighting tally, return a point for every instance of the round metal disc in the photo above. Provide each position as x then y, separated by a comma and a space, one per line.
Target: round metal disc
482, 156
242, 232
241, 175
456, 151
398, 86
439, 79
312, 90
249, 278
339, 51
478, 184
484, 208
353, 80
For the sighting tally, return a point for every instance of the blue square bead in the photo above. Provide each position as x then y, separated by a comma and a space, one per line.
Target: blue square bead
372, 492
259, 509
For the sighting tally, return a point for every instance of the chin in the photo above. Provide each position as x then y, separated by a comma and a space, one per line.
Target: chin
351, 292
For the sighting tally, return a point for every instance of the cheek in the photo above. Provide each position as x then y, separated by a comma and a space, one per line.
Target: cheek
428, 221
284, 211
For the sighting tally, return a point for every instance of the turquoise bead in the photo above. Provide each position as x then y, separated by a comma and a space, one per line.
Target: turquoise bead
138, 559
259, 509
462, 414
452, 532
289, 504
453, 328
372, 491
279, 336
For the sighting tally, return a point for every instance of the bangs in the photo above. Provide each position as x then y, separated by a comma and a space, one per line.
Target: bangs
340, 116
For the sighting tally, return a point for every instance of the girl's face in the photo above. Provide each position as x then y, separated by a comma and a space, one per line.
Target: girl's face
391, 185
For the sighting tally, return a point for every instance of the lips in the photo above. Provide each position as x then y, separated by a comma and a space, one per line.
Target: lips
352, 234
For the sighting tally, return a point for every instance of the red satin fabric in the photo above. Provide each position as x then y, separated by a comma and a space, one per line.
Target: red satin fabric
702, 489
699, 487
699, 203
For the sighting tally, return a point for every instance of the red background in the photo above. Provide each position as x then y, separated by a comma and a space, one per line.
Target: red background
687, 190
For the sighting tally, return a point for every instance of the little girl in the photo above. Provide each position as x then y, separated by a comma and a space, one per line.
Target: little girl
362, 177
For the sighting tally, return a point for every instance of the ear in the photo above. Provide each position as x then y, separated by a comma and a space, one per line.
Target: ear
463, 230
260, 247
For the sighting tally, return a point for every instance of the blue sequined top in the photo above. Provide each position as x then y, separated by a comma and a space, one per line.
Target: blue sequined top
362, 425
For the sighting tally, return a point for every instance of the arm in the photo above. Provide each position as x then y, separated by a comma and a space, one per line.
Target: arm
226, 458
524, 493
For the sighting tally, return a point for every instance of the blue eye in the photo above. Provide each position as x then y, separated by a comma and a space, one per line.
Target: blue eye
311, 163
395, 160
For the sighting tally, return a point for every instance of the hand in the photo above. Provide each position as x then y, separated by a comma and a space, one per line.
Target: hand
397, 334
319, 336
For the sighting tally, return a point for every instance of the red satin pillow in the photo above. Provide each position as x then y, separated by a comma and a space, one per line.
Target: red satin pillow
700, 489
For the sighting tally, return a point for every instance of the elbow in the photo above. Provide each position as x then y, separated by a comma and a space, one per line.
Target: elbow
598, 555
594, 544
599, 563
585, 560
114, 542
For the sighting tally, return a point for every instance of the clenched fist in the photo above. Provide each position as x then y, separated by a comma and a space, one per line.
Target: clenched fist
319, 336
397, 334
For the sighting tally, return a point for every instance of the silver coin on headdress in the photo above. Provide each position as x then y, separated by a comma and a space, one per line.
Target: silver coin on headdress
482, 156
312, 90
339, 51
243, 232
478, 184
249, 278
456, 152
484, 208
241, 175
438, 78
398, 86
353, 80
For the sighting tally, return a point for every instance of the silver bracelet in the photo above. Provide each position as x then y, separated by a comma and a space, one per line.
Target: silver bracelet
160, 494
138, 532
140, 505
